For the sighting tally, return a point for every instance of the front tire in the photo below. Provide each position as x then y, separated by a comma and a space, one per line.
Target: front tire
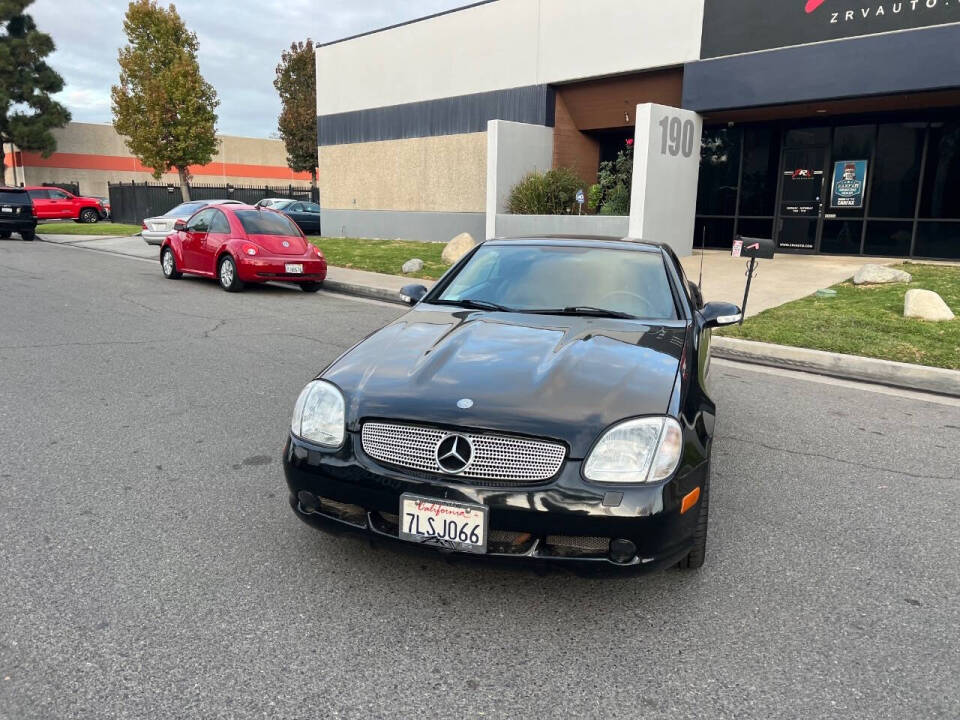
310, 287
89, 215
28, 235
168, 263
228, 276
698, 554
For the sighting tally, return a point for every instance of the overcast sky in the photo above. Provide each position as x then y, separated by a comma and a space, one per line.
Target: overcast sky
240, 45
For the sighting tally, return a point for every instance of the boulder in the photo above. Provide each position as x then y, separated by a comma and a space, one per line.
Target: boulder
872, 274
412, 266
458, 247
926, 305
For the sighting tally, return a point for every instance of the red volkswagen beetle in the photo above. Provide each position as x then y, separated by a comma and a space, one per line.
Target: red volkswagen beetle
240, 244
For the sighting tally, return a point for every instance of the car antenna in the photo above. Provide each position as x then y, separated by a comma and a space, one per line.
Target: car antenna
703, 245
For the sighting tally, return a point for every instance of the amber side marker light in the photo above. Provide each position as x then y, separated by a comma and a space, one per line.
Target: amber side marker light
689, 500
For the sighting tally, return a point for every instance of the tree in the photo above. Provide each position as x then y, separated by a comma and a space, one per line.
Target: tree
162, 105
27, 112
296, 81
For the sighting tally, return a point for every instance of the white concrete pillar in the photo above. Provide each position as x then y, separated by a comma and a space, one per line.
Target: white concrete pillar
513, 150
666, 167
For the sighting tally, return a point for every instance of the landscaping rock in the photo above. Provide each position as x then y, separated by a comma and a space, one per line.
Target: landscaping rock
458, 247
926, 305
412, 266
872, 274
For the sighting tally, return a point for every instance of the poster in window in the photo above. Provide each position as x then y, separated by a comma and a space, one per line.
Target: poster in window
849, 181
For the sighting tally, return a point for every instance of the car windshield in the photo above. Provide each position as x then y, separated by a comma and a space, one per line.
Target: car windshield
184, 210
278, 204
564, 279
257, 222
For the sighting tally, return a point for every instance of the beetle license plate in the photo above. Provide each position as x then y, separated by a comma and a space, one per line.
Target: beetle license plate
453, 525
294, 269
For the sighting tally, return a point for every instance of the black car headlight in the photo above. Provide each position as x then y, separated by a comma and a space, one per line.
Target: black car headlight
319, 416
646, 450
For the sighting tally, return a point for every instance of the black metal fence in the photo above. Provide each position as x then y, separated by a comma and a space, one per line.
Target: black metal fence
71, 187
132, 202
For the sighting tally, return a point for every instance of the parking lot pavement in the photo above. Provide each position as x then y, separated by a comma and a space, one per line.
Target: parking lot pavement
150, 566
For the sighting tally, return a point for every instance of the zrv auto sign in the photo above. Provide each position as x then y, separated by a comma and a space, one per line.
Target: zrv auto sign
731, 27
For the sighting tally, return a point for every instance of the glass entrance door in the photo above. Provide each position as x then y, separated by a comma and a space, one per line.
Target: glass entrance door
802, 188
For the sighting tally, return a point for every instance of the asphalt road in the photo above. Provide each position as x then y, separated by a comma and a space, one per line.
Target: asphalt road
151, 568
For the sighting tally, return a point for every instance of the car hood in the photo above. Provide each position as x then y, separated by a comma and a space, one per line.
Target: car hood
560, 377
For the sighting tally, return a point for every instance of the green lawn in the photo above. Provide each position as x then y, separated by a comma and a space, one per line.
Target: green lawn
100, 228
383, 256
867, 320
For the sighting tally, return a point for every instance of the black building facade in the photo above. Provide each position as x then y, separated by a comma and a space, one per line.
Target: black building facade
832, 126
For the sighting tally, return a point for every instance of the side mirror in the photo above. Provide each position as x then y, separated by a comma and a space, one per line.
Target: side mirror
412, 294
179, 225
718, 314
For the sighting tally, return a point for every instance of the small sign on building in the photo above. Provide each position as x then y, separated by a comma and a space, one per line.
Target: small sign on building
849, 181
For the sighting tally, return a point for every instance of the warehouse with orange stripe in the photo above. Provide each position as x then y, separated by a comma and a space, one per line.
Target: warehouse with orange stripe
92, 155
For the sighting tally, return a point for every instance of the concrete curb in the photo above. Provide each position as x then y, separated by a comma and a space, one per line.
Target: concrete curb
374, 293
850, 367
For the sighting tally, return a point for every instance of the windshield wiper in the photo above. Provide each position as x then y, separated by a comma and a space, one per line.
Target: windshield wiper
583, 310
475, 304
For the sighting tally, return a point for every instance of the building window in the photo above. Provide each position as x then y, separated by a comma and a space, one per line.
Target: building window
755, 227
941, 181
719, 171
761, 163
896, 171
888, 237
719, 232
938, 240
841, 237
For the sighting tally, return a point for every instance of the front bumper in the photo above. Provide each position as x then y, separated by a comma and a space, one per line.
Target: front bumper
266, 269
563, 520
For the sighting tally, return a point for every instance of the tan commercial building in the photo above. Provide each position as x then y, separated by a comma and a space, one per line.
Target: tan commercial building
93, 155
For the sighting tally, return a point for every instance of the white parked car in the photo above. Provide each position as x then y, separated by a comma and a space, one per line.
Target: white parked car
275, 203
154, 230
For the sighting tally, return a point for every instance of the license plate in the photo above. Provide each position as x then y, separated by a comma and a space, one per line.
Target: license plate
294, 269
453, 525
9, 210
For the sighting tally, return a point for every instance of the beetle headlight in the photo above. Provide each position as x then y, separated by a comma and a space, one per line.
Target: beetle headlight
319, 414
646, 450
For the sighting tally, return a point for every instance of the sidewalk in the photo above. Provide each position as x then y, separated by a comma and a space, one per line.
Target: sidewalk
786, 278
353, 282
778, 281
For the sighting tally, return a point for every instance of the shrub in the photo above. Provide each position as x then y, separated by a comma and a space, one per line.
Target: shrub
615, 179
617, 201
551, 193
594, 197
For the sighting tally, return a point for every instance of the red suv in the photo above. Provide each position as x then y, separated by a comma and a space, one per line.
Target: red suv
51, 203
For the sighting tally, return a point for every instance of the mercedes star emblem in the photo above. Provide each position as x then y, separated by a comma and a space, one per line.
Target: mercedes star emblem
454, 453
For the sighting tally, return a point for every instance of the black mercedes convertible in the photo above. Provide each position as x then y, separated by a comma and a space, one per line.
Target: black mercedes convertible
547, 400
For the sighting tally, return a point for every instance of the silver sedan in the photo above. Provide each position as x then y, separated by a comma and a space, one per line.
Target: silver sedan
156, 229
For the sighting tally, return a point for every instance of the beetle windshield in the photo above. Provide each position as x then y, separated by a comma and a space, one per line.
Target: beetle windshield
565, 279
258, 222
184, 210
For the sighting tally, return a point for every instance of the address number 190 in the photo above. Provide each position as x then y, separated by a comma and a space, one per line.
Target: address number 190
677, 136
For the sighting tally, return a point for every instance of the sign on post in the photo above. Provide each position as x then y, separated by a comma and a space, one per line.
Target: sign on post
580, 199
